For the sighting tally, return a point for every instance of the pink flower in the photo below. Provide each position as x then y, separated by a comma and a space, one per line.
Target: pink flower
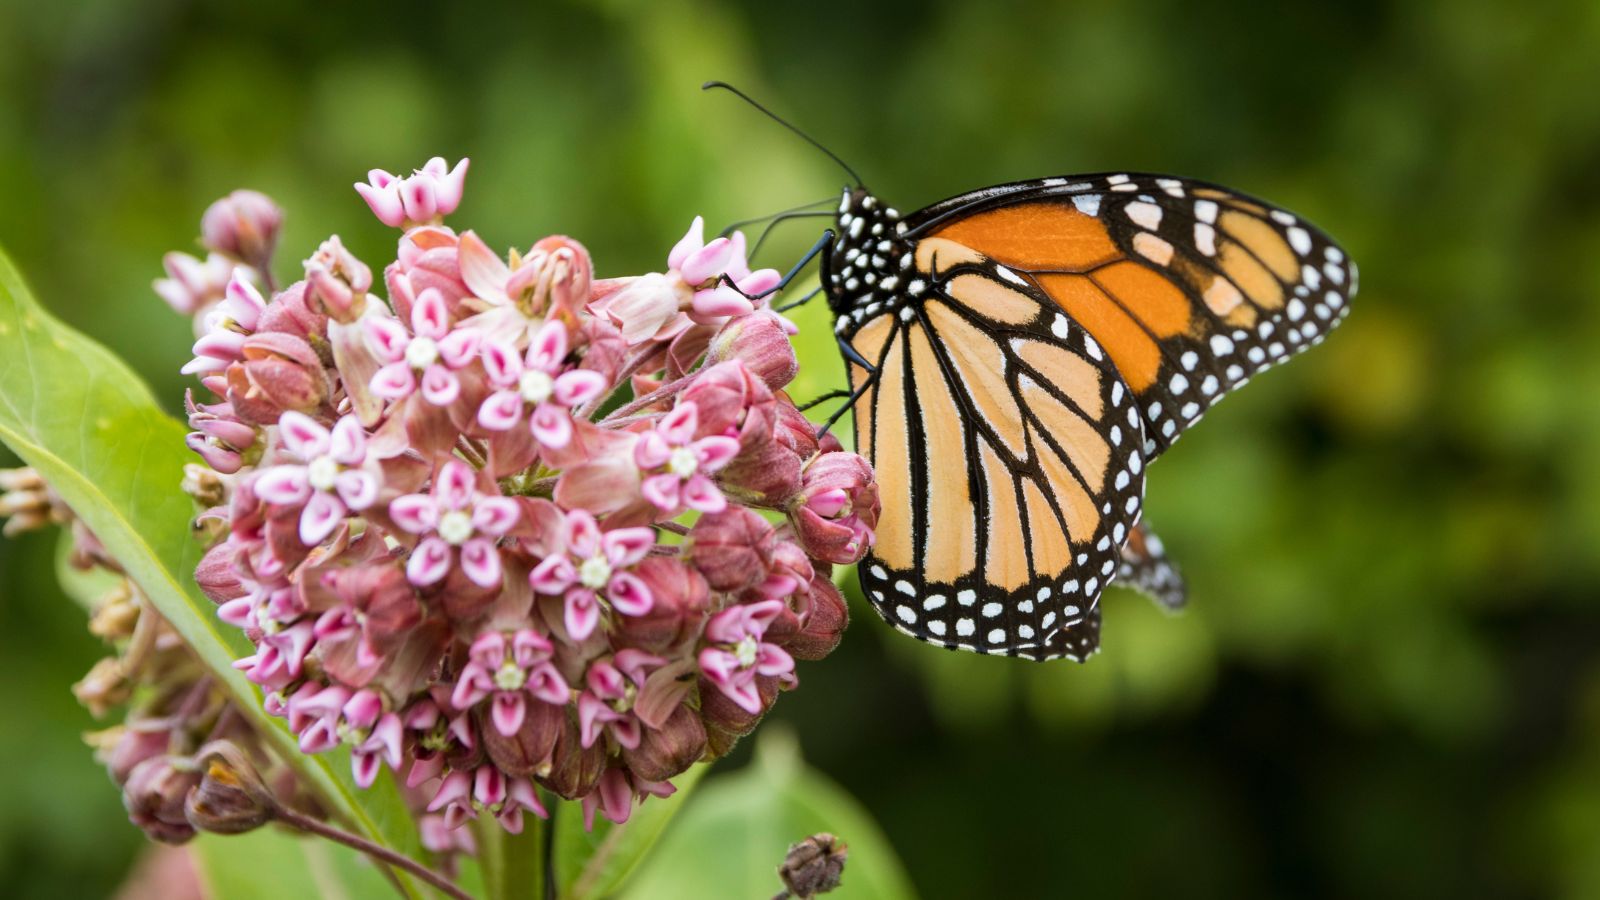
488, 788
227, 326
509, 678
429, 356
587, 568
459, 522
682, 466
243, 225
192, 285
607, 704
428, 193
374, 736
837, 508
614, 796
330, 479
737, 653
538, 385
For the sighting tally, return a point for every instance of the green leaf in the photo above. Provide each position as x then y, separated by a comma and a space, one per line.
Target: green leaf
733, 835
271, 863
79, 416
596, 863
512, 865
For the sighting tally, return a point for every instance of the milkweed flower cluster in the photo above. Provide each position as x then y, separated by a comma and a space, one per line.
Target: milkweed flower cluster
512, 527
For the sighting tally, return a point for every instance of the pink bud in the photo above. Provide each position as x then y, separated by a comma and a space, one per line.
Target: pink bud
669, 751
760, 341
216, 575
824, 618
681, 600
731, 548
337, 280
243, 225
527, 752
154, 796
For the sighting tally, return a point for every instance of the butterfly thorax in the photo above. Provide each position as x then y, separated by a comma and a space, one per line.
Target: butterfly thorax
869, 271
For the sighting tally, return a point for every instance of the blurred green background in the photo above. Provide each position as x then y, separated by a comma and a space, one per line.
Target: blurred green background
1387, 683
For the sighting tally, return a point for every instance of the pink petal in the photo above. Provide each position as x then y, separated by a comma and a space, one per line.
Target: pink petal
692, 240
495, 515
429, 563
578, 387
626, 546
386, 337
679, 425
501, 411
489, 786
591, 709
651, 452
583, 534
715, 452
662, 491
774, 660
480, 561
508, 710
457, 786
701, 494
453, 485
440, 386
393, 382
529, 646
545, 683
551, 426
484, 272
416, 193
385, 203
358, 488
303, 436
627, 732
448, 187
501, 363
473, 685
430, 317
719, 302
718, 666
283, 485
415, 513
553, 575
460, 347
322, 515
549, 347
708, 262
629, 595
349, 442
582, 614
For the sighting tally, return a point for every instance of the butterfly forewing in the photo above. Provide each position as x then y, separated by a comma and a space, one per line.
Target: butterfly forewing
1008, 457
1190, 288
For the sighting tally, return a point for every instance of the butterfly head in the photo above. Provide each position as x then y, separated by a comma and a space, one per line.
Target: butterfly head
868, 266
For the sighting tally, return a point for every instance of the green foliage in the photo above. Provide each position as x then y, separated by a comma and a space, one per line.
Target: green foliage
77, 415
735, 832
273, 863
594, 863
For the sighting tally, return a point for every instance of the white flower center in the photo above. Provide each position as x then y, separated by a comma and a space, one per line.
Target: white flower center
422, 352
683, 462
595, 572
455, 527
322, 473
536, 386
746, 651
510, 677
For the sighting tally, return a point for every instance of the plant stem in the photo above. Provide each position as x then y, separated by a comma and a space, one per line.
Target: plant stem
376, 851
513, 865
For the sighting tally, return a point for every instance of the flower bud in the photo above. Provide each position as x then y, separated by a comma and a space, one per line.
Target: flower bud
574, 769
733, 401
280, 372
338, 281
191, 286
243, 225
203, 485
292, 312
116, 613
760, 342
727, 721
568, 274
823, 619
813, 866
731, 548
231, 797
837, 507
682, 599
154, 797
670, 750
528, 752
125, 746
216, 575
105, 686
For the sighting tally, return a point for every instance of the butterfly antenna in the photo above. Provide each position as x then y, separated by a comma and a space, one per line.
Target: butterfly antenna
734, 226
776, 118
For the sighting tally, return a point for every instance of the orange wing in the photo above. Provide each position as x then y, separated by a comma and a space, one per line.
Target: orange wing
1191, 288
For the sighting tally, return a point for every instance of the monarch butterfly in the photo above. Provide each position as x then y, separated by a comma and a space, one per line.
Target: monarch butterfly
1018, 355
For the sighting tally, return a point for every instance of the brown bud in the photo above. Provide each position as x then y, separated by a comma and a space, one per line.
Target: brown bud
731, 548
104, 687
231, 797
116, 613
682, 598
154, 796
575, 770
824, 617
204, 485
668, 751
813, 866
528, 752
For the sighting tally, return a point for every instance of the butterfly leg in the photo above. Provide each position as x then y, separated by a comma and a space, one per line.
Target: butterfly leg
803, 300
822, 244
851, 355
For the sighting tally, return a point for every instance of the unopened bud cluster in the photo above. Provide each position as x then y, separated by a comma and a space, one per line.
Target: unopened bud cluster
509, 527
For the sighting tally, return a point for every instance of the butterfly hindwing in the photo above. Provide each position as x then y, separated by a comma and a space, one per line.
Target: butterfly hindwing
1191, 288
1007, 451
1147, 569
